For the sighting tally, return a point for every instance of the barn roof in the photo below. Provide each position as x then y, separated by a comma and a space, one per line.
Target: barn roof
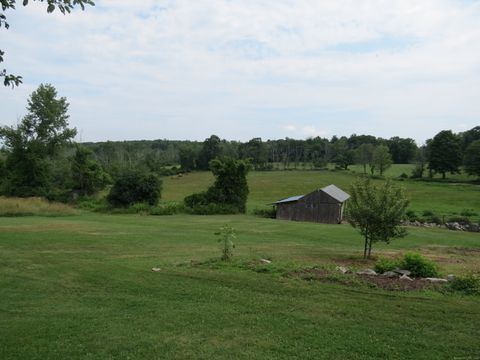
336, 193
290, 199
332, 190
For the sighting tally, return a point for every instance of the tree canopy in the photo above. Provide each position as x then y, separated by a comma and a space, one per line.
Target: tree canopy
32, 144
64, 6
444, 153
376, 211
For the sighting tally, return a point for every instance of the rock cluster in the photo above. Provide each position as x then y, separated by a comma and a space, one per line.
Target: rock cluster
449, 225
400, 274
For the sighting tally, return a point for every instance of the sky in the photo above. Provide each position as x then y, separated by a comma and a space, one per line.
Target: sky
182, 69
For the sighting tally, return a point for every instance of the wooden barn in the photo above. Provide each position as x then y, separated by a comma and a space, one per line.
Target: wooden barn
324, 205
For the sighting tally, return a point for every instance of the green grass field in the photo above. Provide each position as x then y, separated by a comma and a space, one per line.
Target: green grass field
81, 286
444, 199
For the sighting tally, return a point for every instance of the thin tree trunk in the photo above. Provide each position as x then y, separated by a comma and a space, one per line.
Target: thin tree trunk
365, 248
370, 248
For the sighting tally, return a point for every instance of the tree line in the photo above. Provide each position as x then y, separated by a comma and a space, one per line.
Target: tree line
38, 156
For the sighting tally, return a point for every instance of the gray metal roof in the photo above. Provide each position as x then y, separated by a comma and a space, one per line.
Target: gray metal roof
336, 193
332, 190
290, 199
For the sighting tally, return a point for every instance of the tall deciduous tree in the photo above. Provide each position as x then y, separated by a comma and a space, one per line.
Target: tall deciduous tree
376, 211
211, 149
472, 159
382, 158
444, 153
364, 155
37, 139
65, 6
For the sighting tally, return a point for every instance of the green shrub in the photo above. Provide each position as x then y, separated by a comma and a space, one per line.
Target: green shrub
411, 215
212, 209
383, 265
403, 176
468, 212
428, 213
166, 209
270, 213
135, 187
419, 265
469, 284
227, 235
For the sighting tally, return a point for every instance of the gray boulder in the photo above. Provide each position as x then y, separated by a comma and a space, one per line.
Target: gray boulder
390, 274
342, 269
402, 272
366, 272
406, 277
436, 280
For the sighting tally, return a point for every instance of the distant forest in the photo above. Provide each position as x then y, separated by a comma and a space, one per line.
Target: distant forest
169, 156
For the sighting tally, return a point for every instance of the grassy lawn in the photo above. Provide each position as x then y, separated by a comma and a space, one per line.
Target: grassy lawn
81, 287
444, 199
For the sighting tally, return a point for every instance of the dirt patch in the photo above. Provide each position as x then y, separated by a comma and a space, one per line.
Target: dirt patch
309, 274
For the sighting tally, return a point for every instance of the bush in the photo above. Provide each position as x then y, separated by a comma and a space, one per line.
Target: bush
428, 213
403, 176
468, 212
469, 284
411, 215
212, 209
460, 219
135, 187
270, 213
383, 265
419, 266
166, 209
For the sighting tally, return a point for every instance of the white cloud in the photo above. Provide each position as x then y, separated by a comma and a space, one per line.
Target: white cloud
186, 69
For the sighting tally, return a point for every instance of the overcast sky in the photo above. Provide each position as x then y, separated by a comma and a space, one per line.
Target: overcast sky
243, 68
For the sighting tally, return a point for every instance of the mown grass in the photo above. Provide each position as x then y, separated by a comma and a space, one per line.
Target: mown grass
81, 287
33, 206
443, 199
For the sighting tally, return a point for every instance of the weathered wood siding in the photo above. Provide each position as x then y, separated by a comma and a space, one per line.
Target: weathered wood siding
315, 207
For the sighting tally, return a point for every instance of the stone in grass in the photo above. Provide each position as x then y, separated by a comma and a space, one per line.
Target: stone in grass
450, 277
390, 274
406, 277
366, 272
402, 272
342, 269
155, 269
265, 261
436, 280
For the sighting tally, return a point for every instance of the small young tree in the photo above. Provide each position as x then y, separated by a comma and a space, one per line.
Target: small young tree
227, 235
364, 155
376, 211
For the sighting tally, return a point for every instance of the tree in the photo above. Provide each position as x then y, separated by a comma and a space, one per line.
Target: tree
376, 211
256, 151
470, 136
230, 189
444, 153
472, 159
188, 158
382, 159
135, 186
402, 150
364, 155
88, 175
65, 6
343, 156
420, 162
211, 149
36, 140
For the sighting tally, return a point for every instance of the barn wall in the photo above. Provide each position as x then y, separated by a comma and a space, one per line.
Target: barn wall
314, 207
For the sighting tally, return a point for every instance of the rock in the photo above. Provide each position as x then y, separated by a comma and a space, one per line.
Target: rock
366, 272
406, 277
342, 269
402, 272
265, 261
156, 269
436, 280
450, 277
390, 274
